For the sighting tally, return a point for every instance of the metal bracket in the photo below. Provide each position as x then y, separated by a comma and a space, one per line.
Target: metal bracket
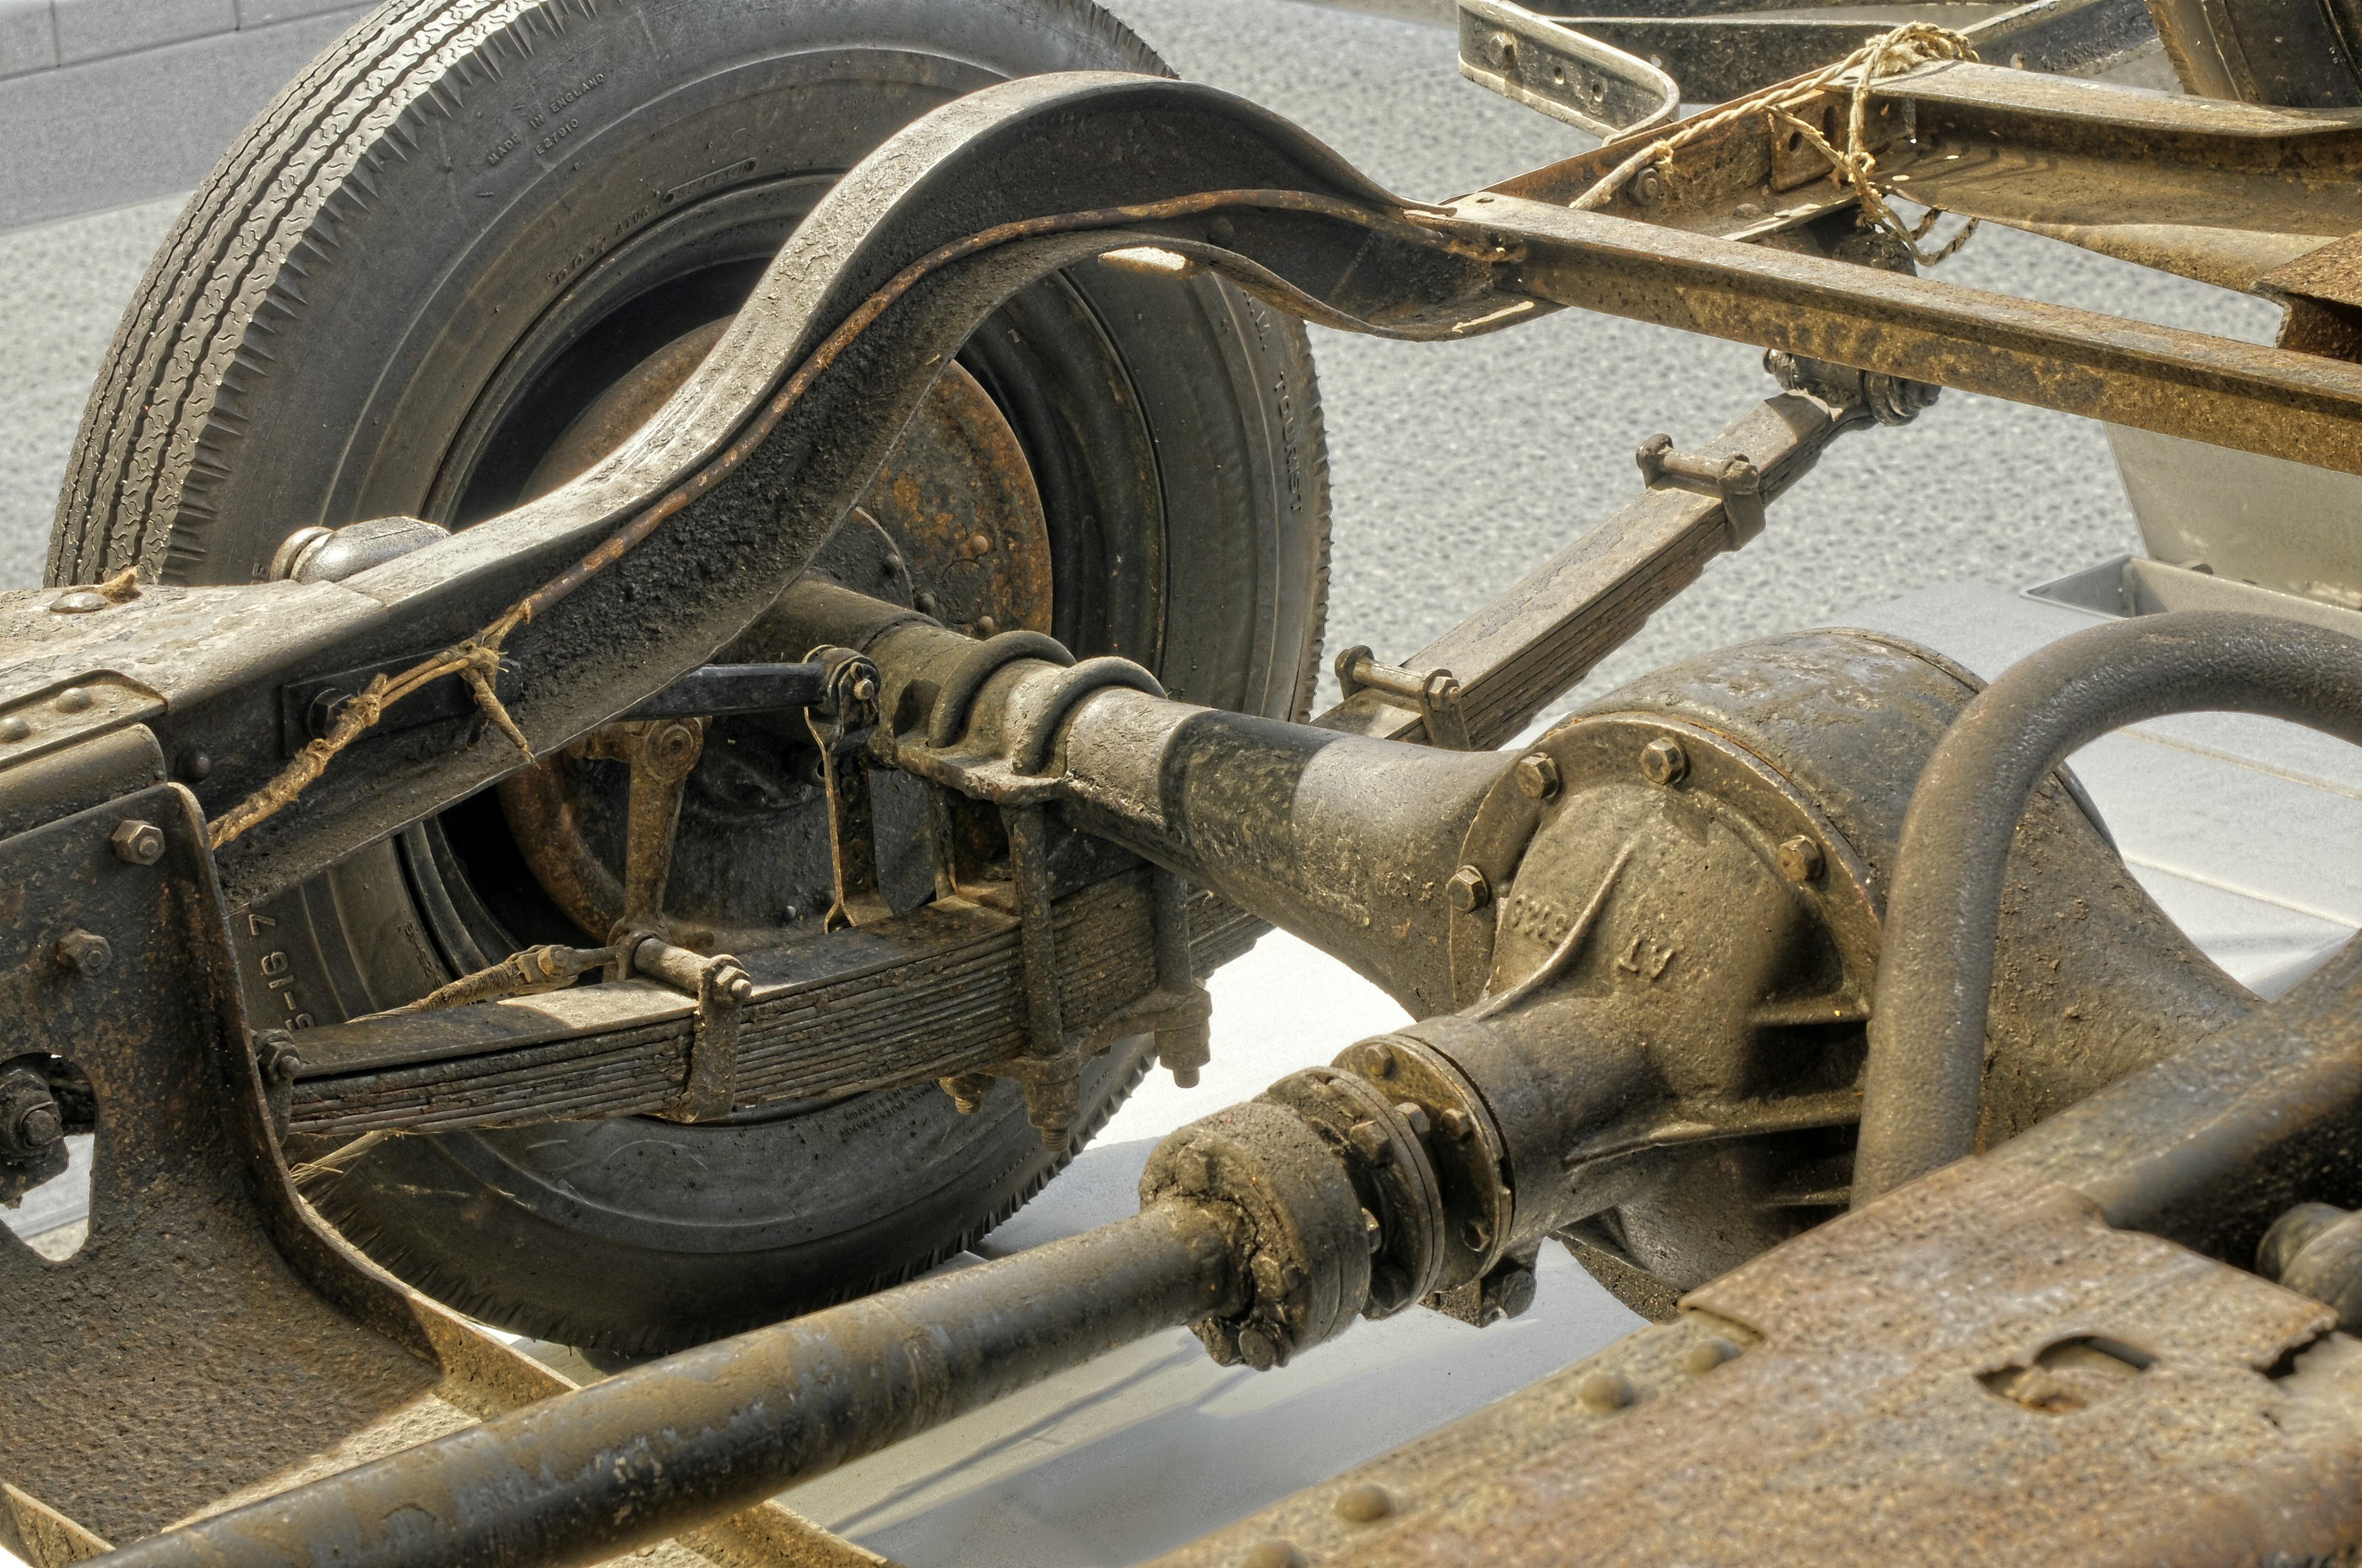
841, 724
1436, 693
1734, 481
1051, 1069
709, 1087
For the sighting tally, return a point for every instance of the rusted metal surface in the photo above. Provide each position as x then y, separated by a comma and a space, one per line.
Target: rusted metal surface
1927, 1056
923, 996
1976, 1370
179, 1270
692, 1438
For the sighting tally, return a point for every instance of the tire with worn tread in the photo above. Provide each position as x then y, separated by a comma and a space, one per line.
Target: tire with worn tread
421, 259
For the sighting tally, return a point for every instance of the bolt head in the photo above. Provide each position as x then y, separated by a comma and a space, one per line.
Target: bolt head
136, 843
72, 699
1374, 1060
1457, 1124
1365, 1504
1706, 1355
1468, 891
1537, 776
86, 952
1800, 860
1414, 1113
1603, 1392
38, 1126
81, 601
1648, 187
1662, 761
1370, 1141
1259, 1347
1513, 1291
1476, 1234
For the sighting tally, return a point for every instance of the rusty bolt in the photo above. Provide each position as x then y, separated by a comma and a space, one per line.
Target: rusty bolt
1415, 1115
1457, 1124
1504, 50
1662, 761
1468, 889
1513, 1291
1374, 1060
1706, 1355
1365, 1504
1537, 776
86, 952
193, 766
1370, 1141
136, 843
1274, 1276
1648, 187
1260, 1347
1800, 860
37, 1126
926, 604
1603, 1392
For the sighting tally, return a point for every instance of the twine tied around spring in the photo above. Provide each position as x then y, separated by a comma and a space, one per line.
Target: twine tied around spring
1907, 47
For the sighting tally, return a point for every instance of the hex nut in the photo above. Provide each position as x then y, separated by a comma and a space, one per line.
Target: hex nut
1648, 187
1365, 1504
136, 843
1370, 1141
1537, 776
1374, 1060
1800, 860
1415, 1114
1662, 761
1457, 1124
1468, 891
84, 952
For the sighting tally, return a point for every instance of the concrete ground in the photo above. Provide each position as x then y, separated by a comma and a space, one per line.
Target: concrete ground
1456, 468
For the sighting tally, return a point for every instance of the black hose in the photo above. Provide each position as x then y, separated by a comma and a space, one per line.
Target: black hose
702, 1435
1925, 1070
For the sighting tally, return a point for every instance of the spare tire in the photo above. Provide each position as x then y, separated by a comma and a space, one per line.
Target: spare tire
434, 252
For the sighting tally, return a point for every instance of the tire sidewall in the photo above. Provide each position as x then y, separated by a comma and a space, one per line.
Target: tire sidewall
420, 249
